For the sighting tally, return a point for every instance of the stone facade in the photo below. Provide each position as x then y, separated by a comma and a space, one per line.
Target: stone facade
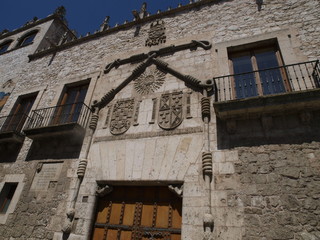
250, 168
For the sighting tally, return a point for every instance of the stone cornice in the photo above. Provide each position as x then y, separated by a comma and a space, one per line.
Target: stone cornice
98, 34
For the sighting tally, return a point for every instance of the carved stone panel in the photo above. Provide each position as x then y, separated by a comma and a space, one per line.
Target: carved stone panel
149, 81
122, 115
170, 110
156, 33
46, 177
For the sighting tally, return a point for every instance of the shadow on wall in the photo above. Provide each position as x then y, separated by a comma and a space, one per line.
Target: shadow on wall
294, 128
9, 151
57, 147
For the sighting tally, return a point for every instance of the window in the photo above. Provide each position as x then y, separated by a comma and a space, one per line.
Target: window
27, 39
69, 108
4, 46
257, 70
6, 196
19, 114
138, 213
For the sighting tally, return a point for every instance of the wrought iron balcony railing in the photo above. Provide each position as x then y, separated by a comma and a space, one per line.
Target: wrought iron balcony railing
13, 123
287, 78
59, 115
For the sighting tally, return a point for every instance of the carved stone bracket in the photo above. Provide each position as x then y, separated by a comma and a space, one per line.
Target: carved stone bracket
67, 227
103, 191
39, 167
177, 189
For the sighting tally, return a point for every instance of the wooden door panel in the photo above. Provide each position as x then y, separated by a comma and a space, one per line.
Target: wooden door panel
115, 213
125, 235
98, 233
147, 215
138, 213
112, 234
162, 216
129, 214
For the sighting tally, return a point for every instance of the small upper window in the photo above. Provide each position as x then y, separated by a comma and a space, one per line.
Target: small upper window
4, 46
27, 39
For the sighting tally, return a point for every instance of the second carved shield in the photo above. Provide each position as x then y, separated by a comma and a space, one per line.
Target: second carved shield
170, 110
121, 116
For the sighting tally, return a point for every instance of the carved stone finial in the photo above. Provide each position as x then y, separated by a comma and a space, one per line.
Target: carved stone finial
142, 14
31, 21
103, 191
105, 24
259, 3
177, 189
208, 224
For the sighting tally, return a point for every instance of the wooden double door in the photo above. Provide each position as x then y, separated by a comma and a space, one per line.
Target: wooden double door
138, 213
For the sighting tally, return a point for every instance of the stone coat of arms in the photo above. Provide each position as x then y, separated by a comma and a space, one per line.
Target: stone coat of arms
170, 110
122, 115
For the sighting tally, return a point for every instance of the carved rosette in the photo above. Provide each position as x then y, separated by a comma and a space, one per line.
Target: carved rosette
170, 111
149, 81
122, 115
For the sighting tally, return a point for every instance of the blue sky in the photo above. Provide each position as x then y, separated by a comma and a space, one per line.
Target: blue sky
83, 15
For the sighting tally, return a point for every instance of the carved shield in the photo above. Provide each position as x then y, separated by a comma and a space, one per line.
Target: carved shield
121, 116
170, 110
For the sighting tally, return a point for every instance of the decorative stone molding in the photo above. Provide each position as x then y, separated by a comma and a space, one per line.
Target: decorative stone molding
103, 191
207, 163
205, 107
177, 189
94, 121
82, 168
149, 81
156, 33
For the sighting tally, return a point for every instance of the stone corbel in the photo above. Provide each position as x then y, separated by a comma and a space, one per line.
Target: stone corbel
67, 227
103, 191
177, 189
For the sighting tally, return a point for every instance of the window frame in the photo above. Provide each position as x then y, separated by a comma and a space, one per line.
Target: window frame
22, 40
251, 50
5, 43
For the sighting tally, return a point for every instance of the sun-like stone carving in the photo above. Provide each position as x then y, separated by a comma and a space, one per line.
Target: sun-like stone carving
149, 81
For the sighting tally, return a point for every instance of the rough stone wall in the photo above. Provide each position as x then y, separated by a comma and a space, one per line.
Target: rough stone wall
38, 214
279, 191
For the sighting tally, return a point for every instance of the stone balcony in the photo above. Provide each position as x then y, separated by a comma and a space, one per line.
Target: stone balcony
69, 119
288, 88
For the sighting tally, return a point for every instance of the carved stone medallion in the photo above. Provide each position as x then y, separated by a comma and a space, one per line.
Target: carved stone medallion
156, 33
149, 81
170, 110
121, 116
